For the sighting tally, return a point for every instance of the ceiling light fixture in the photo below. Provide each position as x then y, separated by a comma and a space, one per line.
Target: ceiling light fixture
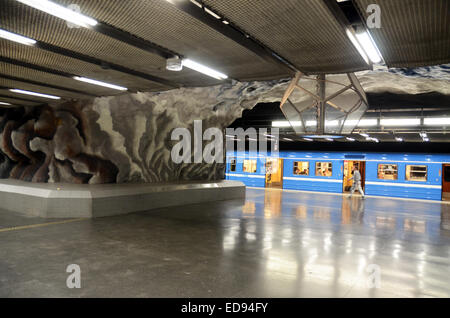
400, 122
61, 12
21, 91
372, 139
285, 123
364, 135
308, 139
204, 69
350, 139
99, 83
369, 46
355, 42
7, 104
16, 38
329, 139
436, 121
398, 139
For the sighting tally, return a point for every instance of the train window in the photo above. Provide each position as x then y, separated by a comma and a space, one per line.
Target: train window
416, 173
324, 169
387, 172
301, 168
250, 166
233, 164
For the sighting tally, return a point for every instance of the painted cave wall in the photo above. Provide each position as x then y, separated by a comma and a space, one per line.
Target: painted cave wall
124, 138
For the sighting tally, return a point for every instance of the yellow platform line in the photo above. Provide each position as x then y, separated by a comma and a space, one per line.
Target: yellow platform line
31, 226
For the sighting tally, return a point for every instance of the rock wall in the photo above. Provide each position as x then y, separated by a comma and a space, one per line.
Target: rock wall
125, 138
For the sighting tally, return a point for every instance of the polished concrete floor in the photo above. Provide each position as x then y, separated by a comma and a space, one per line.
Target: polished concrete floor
275, 244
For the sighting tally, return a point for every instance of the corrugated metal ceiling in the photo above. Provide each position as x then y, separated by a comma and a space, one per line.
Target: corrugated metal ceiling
413, 33
305, 32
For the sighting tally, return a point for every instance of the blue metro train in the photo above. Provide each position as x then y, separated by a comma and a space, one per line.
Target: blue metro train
418, 176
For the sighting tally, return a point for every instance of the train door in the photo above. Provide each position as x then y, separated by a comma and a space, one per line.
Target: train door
348, 173
274, 173
446, 182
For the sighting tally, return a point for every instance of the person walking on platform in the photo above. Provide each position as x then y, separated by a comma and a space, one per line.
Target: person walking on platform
356, 182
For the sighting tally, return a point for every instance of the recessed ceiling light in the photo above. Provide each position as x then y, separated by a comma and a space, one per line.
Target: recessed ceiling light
16, 38
60, 12
21, 91
204, 69
99, 83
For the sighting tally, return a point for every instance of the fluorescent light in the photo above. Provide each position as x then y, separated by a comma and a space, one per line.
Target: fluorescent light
16, 38
423, 134
426, 139
3, 103
369, 46
288, 139
60, 12
329, 139
308, 139
285, 123
398, 139
400, 122
362, 122
95, 82
372, 139
21, 91
203, 69
364, 135
443, 121
357, 45
350, 139
212, 13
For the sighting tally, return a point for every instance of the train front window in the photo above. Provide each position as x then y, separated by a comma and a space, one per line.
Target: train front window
233, 164
301, 168
387, 172
416, 173
249, 166
324, 169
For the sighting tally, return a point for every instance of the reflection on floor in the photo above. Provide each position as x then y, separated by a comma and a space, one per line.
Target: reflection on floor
275, 244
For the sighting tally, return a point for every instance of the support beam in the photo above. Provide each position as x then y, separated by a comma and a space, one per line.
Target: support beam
234, 33
101, 63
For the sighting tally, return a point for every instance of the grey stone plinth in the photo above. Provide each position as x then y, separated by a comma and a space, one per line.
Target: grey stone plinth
73, 200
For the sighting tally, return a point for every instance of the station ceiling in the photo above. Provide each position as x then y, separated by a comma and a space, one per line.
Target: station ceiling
245, 39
